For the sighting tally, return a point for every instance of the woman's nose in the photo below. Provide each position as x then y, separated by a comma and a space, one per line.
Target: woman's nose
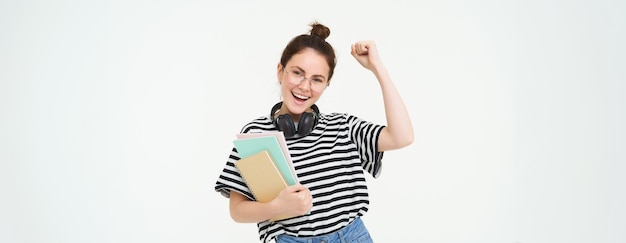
305, 83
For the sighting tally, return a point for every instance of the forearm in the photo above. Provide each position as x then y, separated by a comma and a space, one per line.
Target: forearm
243, 210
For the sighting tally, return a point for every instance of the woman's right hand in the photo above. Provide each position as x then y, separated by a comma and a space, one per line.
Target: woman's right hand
294, 200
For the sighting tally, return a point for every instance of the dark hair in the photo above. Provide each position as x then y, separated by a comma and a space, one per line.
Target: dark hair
316, 40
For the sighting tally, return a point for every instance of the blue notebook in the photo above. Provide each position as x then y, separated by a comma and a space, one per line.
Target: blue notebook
250, 146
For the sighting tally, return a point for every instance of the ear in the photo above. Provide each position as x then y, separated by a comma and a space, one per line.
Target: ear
279, 72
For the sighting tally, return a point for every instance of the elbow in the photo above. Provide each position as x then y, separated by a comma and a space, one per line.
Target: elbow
391, 141
406, 140
234, 216
236, 219
239, 218
234, 211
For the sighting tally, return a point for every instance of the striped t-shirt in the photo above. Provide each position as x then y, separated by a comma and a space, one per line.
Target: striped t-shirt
330, 162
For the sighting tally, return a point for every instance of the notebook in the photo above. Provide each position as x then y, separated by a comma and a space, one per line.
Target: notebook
249, 146
283, 144
262, 177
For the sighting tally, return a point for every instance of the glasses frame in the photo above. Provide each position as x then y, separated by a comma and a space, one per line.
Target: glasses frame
301, 78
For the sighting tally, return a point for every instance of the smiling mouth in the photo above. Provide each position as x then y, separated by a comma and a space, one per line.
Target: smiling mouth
300, 97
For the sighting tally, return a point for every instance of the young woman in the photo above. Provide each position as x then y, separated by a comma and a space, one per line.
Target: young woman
330, 151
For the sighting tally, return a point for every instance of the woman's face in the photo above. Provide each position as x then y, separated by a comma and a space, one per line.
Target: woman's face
299, 94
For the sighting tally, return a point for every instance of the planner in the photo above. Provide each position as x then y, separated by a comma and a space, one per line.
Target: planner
262, 177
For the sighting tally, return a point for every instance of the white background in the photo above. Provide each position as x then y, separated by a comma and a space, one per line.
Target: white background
118, 116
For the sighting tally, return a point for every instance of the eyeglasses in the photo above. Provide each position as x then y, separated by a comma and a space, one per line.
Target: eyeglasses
296, 76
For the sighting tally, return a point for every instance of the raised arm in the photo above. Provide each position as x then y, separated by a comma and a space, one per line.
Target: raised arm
399, 131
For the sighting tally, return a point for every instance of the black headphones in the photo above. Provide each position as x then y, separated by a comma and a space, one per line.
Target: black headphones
284, 123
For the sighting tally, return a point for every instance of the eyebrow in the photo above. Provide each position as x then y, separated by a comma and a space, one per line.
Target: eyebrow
314, 75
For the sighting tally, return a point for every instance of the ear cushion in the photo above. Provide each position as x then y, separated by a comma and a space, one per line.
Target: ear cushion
286, 125
306, 124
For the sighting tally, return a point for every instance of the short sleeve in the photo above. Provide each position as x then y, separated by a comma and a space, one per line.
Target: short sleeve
230, 179
365, 135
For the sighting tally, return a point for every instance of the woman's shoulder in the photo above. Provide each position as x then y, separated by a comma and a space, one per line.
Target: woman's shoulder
333, 116
336, 116
342, 118
259, 124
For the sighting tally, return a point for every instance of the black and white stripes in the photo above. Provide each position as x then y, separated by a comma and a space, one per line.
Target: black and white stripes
330, 162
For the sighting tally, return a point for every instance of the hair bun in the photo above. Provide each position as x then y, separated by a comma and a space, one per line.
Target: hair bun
320, 30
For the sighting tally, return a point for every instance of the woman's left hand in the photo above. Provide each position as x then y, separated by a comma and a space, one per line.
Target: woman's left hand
366, 53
